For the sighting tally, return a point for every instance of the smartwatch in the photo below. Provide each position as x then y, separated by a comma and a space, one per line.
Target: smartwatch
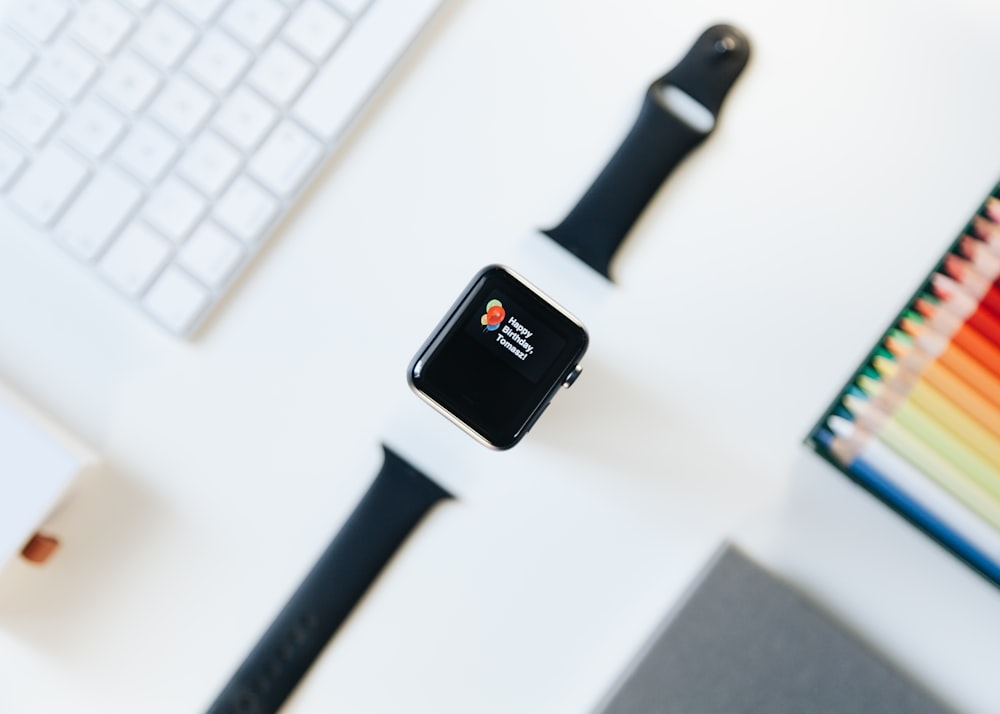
492, 365
498, 357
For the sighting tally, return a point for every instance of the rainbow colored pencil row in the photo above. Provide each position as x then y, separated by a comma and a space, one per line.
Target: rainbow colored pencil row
919, 424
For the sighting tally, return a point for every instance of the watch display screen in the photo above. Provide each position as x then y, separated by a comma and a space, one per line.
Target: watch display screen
496, 359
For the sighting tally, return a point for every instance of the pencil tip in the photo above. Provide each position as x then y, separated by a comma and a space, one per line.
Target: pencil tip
911, 327
840, 426
869, 385
993, 207
925, 307
884, 365
853, 403
955, 266
943, 286
984, 226
969, 245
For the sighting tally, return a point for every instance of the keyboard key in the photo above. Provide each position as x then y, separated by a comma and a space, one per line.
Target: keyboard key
315, 29
245, 118
209, 164
285, 159
182, 106
147, 152
30, 116
98, 213
102, 25
93, 128
280, 73
66, 70
139, 5
246, 209
174, 208
353, 8
48, 184
211, 255
176, 300
15, 58
39, 19
341, 85
11, 160
164, 37
198, 11
253, 21
133, 259
218, 61
129, 83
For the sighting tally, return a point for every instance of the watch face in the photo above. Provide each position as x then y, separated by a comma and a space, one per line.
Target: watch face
498, 357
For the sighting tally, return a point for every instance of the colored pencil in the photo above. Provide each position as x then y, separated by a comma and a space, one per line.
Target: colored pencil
986, 227
954, 358
906, 460
920, 514
982, 284
892, 395
927, 429
909, 353
972, 373
952, 386
991, 300
981, 256
961, 307
947, 413
977, 346
980, 281
965, 295
993, 208
962, 304
964, 272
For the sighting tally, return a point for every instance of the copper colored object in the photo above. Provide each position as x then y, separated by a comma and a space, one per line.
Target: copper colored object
40, 548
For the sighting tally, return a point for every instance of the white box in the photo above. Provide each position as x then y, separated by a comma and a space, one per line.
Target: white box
39, 464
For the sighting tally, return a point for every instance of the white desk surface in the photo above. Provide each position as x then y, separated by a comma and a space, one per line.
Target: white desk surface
861, 134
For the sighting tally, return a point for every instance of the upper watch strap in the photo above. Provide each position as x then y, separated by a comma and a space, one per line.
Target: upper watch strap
396, 501
677, 114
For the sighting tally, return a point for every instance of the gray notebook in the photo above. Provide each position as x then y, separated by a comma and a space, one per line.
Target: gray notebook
743, 641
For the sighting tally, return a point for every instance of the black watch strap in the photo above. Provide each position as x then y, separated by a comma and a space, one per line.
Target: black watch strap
658, 142
394, 504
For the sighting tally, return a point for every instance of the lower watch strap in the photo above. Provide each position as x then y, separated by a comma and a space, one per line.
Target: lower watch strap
677, 114
394, 504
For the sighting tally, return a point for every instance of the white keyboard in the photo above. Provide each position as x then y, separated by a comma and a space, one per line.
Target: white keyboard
158, 141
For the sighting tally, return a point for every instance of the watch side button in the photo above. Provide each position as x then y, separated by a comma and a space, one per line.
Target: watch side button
572, 376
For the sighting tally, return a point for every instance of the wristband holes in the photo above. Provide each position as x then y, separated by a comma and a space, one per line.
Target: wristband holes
725, 45
685, 107
248, 701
